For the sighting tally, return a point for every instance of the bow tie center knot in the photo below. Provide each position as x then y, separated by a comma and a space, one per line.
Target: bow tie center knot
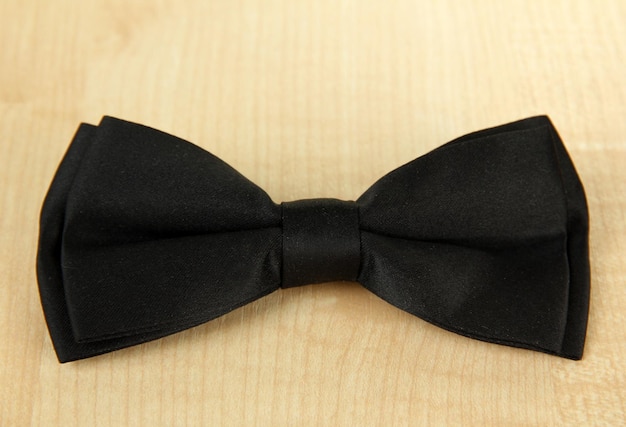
321, 241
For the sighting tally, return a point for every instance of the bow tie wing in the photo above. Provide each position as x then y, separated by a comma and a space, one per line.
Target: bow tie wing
144, 234
486, 236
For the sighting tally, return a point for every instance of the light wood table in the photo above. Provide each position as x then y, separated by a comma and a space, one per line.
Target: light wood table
311, 99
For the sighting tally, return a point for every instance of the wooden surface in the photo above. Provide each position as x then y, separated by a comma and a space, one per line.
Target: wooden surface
311, 99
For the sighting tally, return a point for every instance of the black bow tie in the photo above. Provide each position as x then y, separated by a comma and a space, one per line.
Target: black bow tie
144, 234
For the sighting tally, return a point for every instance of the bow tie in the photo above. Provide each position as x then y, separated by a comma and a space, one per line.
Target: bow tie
144, 234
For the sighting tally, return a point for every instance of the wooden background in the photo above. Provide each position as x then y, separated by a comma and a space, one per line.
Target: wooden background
310, 99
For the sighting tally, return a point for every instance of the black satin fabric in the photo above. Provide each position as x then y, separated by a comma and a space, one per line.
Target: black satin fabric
321, 241
143, 234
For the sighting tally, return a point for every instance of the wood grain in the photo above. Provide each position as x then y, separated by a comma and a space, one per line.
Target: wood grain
311, 99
